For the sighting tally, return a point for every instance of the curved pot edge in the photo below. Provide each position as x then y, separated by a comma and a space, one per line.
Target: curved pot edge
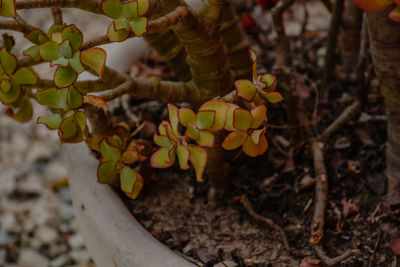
119, 240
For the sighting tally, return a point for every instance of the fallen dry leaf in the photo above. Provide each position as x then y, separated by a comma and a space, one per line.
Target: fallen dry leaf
95, 101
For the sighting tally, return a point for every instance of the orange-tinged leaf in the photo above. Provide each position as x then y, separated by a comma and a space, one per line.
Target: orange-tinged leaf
192, 132
94, 59
161, 159
205, 119
270, 81
205, 139
242, 119
258, 113
183, 157
229, 117
187, 116
143, 7
198, 158
254, 65
395, 14
95, 101
234, 140
245, 89
162, 128
94, 143
373, 5
137, 187
173, 117
220, 108
256, 135
254, 150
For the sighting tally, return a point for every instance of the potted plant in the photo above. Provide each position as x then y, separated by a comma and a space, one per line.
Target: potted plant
217, 76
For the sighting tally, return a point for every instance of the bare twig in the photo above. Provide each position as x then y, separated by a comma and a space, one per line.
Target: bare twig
57, 15
247, 205
321, 197
88, 5
348, 114
332, 41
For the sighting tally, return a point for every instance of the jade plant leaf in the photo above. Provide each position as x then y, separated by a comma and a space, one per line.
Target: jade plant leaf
94, 59
274, 97
220, 108
117, 35
242, 119
64, 76
52, 122
7, 8
8, 61
33, 52
37, 36
73, 128
139, 26
137, 187
373, 5
253, 150
72, 34
109, 152
395, 14
12, 95
183, 156
53, 98
75, 62
162, 158
245, 89
143, 7
130, 10
24, 113
25, 75
106, 172
198, 158
205, 119
112, 8
48, 51
95, 101
128, 179
234, 140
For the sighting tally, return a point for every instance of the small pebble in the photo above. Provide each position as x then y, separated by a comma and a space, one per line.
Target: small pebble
46, 234
31, 258
80, 256
75, 241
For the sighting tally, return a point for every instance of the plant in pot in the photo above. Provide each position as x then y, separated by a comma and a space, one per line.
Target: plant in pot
217, 77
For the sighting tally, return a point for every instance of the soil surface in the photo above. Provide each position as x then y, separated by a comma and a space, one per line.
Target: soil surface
212, 231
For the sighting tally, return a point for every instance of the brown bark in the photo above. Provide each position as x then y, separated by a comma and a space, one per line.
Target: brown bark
350, 36
385, 49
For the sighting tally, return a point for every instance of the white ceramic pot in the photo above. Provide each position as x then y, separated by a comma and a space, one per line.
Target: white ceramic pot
112, 235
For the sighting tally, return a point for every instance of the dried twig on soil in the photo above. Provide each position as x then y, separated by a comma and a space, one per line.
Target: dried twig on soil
247, 205
321, 196
348, 114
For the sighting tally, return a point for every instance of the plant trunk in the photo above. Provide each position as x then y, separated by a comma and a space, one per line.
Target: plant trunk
385, 49
350, 36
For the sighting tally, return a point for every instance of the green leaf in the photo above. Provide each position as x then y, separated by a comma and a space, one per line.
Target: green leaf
64, 49
116, 36
5, 86
52, 121
162, 140
220, 109
259, 114
198, 158
205, 119
173, 117
24, 113
130, 10
112, 8
234, 140
64, 76
12, 95
183, 157
128, 179
245, 89
106, 172
137, 188
139, 26
254, 65
48, 51
229, 117
192, 132
143, 7
25, 75
109, 152
37, 36
33, 52
115, 141
53, 98
68, 129
7, 8
205, 139
270, 81
121, 24
273, 97
75, 62
74, 98
61, 61
73, 35
94, 59
94, 143
54, 28
130, 157
186, 116
8, 61
162, 158
242, 119
256, 136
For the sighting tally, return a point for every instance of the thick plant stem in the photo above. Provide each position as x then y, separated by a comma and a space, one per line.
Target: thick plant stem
332, 42
385, 48
350, 37
236, 42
